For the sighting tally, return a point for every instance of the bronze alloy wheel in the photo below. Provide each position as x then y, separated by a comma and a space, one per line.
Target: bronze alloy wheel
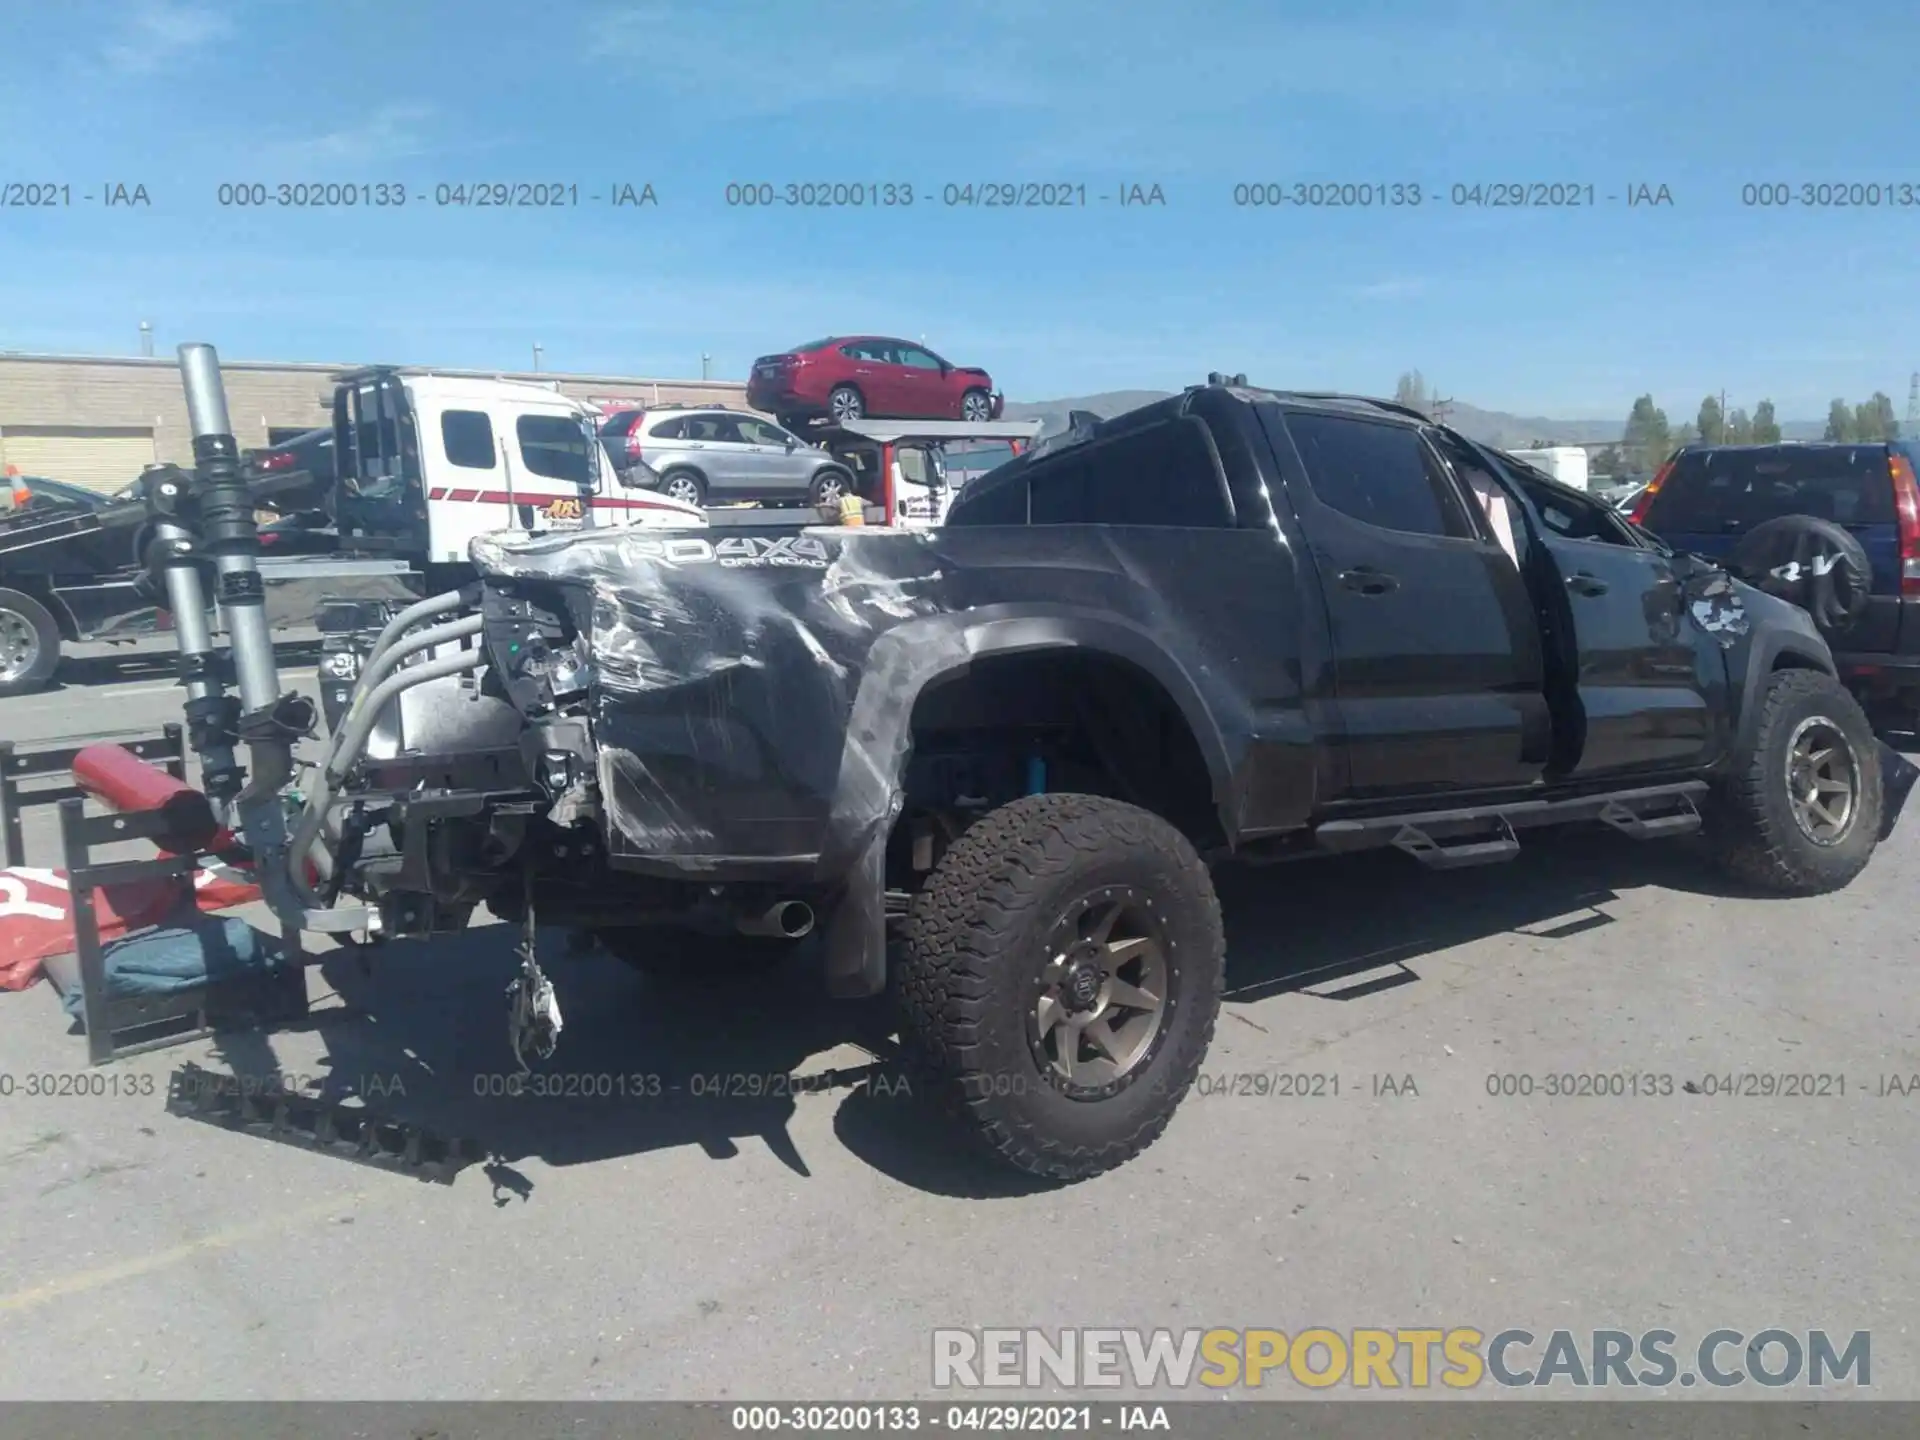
1823, 780
1101, 995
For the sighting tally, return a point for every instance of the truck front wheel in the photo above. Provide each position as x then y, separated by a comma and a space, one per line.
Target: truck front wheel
1798, 813
1061, 978
29, 644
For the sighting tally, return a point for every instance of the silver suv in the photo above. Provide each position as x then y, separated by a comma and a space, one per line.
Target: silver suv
710, 454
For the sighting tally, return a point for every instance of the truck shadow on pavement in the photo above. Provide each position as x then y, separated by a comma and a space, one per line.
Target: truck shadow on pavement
643, 1067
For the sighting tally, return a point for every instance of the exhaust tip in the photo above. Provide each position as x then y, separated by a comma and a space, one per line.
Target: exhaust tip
788, 920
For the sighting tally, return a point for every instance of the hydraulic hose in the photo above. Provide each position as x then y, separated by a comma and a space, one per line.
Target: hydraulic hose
381, 664
433, 605
409, 617
353, 739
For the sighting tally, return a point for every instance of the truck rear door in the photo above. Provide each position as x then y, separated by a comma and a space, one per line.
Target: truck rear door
1438, 669
1638, 685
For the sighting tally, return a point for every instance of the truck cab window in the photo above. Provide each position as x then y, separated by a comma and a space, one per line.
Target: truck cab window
1381, 473
1573, 516
1163, 474
998, 504
467, 436
555, 446
915, 466
1477, 476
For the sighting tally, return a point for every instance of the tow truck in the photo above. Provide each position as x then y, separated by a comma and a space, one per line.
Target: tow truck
427, 462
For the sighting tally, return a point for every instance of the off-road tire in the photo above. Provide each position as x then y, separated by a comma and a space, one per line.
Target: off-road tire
1751, 826
976, 939
672, 957
22, 608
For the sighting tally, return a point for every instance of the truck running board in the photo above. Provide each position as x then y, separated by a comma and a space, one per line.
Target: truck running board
1682, 819
1456, 853
1486, 834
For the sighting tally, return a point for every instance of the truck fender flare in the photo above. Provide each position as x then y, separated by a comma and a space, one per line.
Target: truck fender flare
1770, 651
908, 658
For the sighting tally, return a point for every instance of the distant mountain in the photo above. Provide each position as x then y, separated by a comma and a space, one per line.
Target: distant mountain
1053, 413
1490, 427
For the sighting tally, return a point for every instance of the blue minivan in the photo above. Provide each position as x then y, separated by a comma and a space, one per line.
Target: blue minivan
1708, 497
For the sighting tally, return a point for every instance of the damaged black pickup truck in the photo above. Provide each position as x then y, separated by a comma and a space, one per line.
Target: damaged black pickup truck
1236, 623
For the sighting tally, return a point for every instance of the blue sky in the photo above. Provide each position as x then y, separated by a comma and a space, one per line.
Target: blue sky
1567, 313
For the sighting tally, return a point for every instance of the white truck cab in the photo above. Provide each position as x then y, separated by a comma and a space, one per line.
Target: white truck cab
900, 466
429, 462
1565, 463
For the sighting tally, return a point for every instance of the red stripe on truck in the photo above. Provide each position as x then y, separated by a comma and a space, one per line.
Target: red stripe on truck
504, 497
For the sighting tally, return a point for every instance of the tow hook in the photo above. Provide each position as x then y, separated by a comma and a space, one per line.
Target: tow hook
533, 1014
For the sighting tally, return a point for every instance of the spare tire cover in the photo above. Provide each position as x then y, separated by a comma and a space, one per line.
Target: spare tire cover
1810, 562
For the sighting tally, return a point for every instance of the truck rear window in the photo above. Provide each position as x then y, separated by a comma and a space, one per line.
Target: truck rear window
1710, 491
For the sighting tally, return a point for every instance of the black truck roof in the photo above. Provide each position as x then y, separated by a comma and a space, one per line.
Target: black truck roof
1087, 427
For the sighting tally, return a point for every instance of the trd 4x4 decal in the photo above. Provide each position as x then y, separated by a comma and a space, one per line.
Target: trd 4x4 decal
734, 551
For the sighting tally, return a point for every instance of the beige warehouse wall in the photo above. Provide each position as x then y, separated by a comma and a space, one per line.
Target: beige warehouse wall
107, 391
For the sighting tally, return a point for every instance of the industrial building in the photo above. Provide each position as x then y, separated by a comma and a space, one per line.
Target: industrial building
97, 420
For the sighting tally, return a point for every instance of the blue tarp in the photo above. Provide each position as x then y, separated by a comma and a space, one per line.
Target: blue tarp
166, 959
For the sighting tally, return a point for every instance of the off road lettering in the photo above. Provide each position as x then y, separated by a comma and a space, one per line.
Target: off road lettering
735, 551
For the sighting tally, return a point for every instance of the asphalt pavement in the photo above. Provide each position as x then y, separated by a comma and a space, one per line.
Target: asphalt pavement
728, 1238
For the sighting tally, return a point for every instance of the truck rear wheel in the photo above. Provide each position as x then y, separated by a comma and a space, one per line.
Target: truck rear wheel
29, 644
1061, 978
1799, 811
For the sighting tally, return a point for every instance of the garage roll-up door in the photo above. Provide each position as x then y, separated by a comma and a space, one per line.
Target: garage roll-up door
98, 457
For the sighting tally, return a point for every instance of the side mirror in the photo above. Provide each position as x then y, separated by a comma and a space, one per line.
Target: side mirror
792, 444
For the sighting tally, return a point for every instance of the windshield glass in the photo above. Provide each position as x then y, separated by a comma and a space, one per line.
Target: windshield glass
1721, 490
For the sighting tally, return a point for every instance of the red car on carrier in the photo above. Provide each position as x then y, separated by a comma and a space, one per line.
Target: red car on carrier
854, 377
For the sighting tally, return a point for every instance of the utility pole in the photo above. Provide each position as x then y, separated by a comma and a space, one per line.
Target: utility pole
1439, 409
706, 361
1913, 407
146, 338
536, 357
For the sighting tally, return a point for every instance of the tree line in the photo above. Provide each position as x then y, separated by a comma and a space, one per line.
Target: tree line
1649, 437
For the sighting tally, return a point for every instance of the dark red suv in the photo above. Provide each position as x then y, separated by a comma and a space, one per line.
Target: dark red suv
852, 376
